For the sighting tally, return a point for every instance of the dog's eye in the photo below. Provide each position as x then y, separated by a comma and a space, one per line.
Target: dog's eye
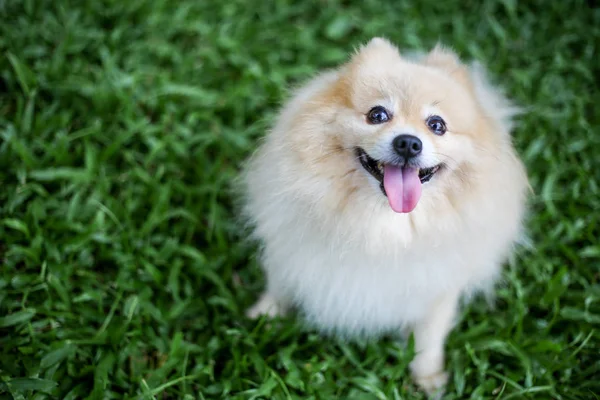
436, 124
378, 115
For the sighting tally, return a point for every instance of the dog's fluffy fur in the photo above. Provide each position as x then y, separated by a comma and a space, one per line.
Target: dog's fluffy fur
333, 247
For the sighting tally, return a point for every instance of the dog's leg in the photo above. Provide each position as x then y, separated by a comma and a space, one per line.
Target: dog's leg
268, 304
430, 334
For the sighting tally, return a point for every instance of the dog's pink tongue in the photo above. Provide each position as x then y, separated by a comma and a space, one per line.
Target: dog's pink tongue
403, 187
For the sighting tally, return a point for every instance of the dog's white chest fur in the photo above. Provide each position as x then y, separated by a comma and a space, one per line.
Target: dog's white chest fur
361, 289
354, 293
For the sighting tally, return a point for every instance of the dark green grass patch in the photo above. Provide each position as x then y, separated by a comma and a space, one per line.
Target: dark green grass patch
123, 272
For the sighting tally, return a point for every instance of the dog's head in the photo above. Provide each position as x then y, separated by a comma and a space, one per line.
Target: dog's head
410, 126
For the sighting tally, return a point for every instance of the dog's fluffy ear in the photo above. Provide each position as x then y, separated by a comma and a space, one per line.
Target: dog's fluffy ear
448, 61
443, 58
376, 48
380, 44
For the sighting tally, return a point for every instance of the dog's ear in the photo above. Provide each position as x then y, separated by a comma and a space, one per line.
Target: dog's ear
369, 58
448, 61
443, 58
362, 77
380, 44
376, 48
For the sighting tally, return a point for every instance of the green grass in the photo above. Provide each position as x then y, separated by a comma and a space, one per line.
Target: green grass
123, 273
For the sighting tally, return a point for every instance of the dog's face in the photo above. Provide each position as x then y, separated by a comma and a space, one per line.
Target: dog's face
412, 126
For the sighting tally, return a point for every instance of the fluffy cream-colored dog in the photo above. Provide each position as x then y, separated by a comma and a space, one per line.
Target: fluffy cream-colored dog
387, 189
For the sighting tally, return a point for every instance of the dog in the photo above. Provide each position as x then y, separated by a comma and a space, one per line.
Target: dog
387, 190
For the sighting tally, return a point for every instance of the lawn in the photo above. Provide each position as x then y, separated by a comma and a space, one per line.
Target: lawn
123, 270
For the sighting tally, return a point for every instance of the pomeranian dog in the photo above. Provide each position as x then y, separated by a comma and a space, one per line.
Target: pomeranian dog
387, 190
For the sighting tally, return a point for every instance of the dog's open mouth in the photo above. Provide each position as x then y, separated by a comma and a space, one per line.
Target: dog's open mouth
401, 184
376, 168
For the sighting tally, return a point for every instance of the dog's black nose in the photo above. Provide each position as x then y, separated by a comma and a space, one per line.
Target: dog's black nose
407, 146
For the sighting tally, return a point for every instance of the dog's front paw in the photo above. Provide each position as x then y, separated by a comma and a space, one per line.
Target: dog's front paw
433, 384
428, 373
266, 305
